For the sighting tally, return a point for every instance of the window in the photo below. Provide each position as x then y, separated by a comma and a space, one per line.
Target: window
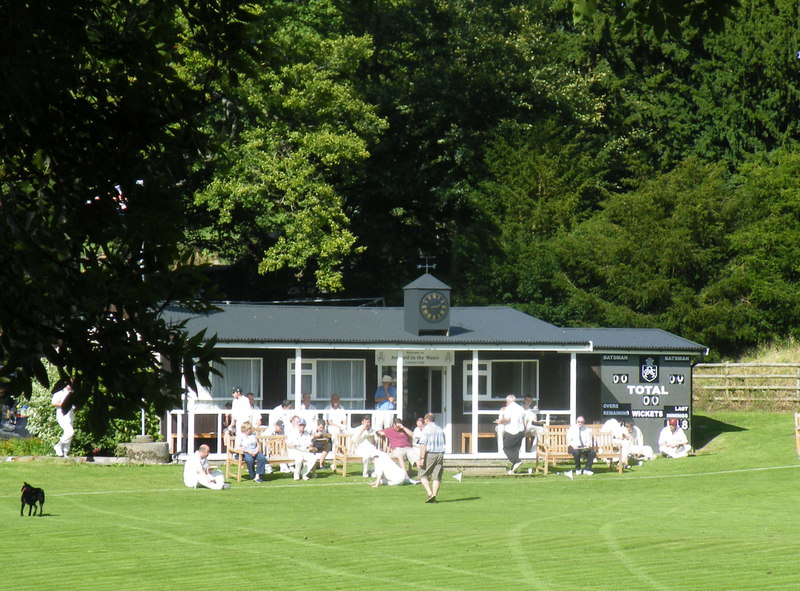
323, 377
244, 373
498, 379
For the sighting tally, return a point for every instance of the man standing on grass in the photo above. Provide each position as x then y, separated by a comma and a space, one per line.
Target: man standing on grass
431, 457
65, 420
512, 418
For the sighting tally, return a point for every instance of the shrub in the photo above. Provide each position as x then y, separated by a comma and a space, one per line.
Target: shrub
42, 424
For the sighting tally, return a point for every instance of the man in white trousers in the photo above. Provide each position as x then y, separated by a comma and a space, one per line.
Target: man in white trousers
65, 420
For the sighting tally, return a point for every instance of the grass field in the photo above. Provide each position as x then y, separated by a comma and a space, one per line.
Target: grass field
728, 518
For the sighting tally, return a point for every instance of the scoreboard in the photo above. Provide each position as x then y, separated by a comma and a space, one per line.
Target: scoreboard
649, 390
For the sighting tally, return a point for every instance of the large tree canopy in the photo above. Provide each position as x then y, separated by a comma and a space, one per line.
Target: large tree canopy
96, 137
291, 131
590, 173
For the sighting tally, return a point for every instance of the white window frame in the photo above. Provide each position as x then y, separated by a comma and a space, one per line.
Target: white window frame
353, 401
225, 386
486, 369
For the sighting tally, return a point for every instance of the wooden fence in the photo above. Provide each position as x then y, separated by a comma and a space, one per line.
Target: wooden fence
774, 386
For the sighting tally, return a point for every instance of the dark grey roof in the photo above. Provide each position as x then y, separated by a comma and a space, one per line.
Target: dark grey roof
265, 325
639, 339
426, 281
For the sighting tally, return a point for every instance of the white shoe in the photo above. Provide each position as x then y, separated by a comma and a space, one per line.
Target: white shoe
59, 450
568, 474
578, 472
588, 473
297, 477
515, 467
412, 481
306, 478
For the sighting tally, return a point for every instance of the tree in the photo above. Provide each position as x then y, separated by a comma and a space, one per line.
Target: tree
97, 144
660, 16
291, 131
448, 76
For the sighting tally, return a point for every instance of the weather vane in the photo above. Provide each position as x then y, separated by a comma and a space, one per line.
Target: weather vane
427, 265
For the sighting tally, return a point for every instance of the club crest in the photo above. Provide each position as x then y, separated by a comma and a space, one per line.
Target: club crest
649, 370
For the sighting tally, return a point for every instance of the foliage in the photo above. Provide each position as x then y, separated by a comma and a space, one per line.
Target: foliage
94, 156
449, 77
660, 16
635, 169
24, 446
89, 438
290, 132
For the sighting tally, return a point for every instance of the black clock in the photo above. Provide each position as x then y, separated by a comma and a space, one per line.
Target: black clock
433, 306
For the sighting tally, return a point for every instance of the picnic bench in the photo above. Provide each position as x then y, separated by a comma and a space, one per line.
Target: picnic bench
553, 447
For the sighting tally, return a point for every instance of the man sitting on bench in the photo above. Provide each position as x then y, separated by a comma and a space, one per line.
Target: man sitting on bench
579, 442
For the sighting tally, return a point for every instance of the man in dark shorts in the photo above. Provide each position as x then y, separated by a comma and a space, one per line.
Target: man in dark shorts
431, 457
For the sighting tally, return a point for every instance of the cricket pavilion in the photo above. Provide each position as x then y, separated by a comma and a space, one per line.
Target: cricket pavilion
458, 362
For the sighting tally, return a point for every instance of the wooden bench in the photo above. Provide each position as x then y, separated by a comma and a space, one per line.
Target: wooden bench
174, 439
466, 440
553, 447
273, 446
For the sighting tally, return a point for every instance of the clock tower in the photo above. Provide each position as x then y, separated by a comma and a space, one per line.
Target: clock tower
426, 303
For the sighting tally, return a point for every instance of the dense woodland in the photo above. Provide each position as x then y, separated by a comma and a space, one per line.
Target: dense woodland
589, 171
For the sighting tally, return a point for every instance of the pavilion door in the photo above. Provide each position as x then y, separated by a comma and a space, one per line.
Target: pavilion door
439, 398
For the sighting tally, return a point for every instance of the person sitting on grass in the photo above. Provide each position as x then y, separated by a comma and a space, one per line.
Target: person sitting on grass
197, 472
388, 472
248, 443
672, 441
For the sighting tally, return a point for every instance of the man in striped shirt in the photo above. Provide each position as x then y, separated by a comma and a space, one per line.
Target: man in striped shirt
431, 457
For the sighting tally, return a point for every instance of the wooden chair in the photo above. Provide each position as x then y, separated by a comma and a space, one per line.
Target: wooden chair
552, 446
343, 453
606, 449
233, 457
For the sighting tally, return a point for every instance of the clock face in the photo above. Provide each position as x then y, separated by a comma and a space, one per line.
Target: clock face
433, 306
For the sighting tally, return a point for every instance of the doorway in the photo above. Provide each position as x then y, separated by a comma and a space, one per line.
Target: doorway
426, 390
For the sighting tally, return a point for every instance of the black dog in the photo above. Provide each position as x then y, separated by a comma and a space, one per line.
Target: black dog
31, 496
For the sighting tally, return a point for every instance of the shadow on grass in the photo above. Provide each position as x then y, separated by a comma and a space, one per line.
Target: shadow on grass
458, 500
705, 429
